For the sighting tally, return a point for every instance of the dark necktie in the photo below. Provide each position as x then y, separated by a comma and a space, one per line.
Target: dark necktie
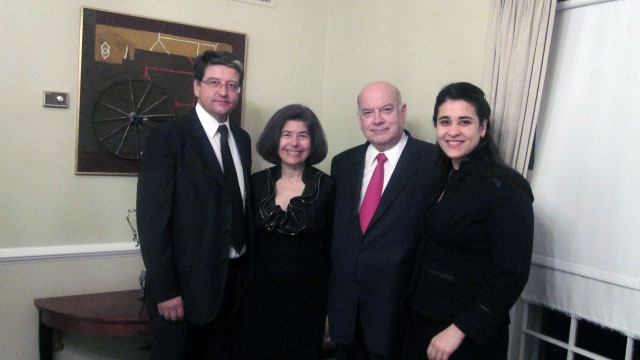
238, 230
373, 194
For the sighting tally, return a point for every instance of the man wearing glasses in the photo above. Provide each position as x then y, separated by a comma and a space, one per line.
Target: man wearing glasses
191, 206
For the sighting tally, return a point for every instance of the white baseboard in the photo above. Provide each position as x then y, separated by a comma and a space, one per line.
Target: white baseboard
67, 252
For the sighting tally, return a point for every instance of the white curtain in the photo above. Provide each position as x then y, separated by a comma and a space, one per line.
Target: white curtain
517, 48
586, 178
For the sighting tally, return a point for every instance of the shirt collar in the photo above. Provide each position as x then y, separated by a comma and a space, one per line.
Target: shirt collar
392, 154
209, 123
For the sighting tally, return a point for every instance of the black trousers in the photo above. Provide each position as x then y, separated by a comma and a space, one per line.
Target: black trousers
420, 331
358, 349
216, 340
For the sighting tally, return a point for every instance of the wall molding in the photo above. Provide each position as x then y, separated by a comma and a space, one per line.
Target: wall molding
587, 272
67, 252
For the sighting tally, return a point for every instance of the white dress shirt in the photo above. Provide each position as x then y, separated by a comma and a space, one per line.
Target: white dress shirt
210, 125
370, 163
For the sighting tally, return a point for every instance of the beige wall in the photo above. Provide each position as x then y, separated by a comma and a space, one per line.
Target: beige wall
316, 52
42, 202
419, 46
319, 53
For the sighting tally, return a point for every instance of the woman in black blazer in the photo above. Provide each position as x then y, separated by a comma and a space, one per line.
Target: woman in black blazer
476, 251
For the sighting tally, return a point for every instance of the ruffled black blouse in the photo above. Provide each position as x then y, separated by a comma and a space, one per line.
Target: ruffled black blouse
302, 230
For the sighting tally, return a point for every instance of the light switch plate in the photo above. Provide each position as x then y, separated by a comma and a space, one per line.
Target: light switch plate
55, 99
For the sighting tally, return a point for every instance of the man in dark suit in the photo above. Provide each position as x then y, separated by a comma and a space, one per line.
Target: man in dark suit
192, 197
380, 202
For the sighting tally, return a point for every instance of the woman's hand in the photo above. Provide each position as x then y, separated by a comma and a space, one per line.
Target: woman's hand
445, 343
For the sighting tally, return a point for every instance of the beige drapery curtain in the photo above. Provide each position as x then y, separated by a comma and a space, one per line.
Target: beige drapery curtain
517, 50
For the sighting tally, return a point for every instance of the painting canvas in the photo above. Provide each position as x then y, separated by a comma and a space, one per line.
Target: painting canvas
136, 73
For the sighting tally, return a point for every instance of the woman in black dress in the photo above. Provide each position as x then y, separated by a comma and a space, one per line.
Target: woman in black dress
476, 253
293, 204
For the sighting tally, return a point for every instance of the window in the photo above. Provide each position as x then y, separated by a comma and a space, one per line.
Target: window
553, 335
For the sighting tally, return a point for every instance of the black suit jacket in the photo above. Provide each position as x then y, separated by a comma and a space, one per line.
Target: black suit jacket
372, 271
184, 216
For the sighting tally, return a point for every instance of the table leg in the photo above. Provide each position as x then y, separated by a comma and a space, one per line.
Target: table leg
45, 334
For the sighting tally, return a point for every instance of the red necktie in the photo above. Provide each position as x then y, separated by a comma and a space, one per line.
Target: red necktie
373, 194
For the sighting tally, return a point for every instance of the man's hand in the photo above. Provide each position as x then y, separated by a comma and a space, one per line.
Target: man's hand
445, 343
171, 309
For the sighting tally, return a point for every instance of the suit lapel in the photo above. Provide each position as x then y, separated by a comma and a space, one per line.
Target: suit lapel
401, 176
356, 170
202, 145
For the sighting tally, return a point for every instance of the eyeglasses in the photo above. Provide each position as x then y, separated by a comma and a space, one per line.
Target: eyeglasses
217, 84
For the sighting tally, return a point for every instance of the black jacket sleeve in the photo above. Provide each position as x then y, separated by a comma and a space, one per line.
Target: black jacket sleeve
510, 232
155, 196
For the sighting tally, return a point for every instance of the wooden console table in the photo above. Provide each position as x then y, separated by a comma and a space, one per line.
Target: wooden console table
118, 313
